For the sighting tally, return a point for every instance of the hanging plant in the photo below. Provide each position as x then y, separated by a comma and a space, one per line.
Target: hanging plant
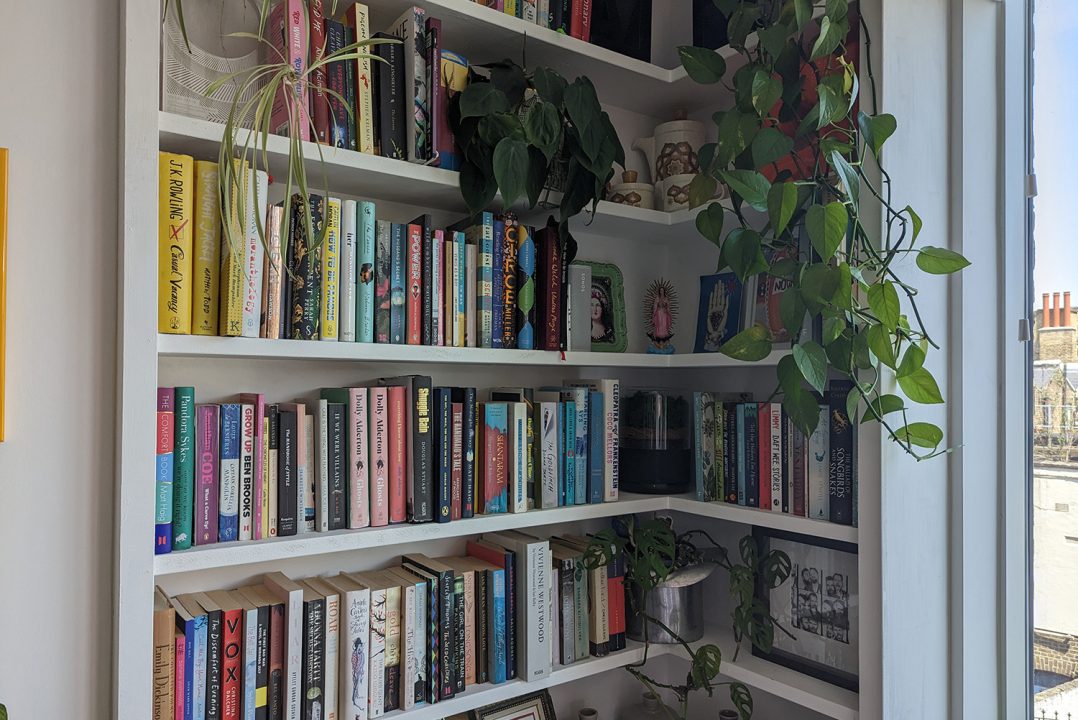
794, 147
522, 133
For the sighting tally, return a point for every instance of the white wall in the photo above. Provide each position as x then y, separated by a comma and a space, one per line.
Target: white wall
59, 76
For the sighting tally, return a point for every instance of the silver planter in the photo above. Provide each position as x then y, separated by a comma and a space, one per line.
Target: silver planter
678, 603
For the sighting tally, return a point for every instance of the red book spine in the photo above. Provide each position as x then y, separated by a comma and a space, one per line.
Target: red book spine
398, 454
379, 457
181, 651
764, 453
580, 27
551, 289
456, 474
232, 665
414, 303
486, 554
275, 701
319, 100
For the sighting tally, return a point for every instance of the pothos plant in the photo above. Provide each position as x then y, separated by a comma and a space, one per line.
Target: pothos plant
795, 146
653, 552
521, 132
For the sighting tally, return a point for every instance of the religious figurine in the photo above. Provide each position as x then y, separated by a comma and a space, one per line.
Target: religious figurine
660, 313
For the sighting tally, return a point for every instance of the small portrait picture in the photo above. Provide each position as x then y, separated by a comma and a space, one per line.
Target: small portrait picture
607, 308
535, 706
720, 313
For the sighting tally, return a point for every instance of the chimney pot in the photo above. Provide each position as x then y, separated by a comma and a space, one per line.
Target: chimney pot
1044, 310
1055, 310
1066, 320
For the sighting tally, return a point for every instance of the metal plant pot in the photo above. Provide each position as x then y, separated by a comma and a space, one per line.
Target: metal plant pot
678, 603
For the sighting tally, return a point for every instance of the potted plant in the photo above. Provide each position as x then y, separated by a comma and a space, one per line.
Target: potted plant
664, 572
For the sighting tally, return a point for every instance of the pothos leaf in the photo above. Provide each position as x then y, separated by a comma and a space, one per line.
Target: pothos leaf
709, 222
921, 434
920, 387
749, 185
751, 344
781, 204
703, 65
883, 301
480, 99
812, 362
882, 405
510, 169
940, 261
743, 253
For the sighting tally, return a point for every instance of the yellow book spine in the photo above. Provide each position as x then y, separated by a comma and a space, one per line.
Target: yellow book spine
365, 99
207, 260
176, 189
331, 270
233, 284
511, 7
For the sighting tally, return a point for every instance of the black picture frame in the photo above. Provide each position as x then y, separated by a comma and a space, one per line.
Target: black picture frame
818, 604
538, 703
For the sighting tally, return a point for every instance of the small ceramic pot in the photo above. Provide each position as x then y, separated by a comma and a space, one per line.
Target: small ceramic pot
631, 192
674, 149
673, 192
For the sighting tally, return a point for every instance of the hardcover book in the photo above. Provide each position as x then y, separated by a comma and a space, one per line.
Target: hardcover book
410, 27
365, 280
330, 271
359, 20
398, 453
176, 193
207, 249
495, 457
183, 478
380, 453
349, 251
305, 264
253, 254
398, 284
414, 309
508, 270
271, 322
383, 262
228, 518
393, 128
166, 403
287, 30
524, 319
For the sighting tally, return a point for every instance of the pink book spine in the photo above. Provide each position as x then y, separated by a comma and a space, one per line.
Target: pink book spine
379, 456
181, 650
359, 477
456, 471
208, 440
288, 32
438, 312
261, 483
398, 454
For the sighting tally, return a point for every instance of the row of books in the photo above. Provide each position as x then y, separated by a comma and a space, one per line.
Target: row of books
396, 450
751, 453
570, 17
495, 283
398, 102
360, 645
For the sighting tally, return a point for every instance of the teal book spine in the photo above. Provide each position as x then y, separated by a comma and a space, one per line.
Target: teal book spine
398, 248
569, 454
698, 442
365, 273
740, 451
581, 403
500, 659
596, 447
183, 479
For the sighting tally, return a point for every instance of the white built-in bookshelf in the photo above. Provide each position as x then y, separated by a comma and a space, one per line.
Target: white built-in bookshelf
645, 244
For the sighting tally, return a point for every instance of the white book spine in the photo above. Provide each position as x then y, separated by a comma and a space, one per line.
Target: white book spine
377, 688
322, 507
250, 661
471, 255
548, 454
419, 650
819, 460
775, 425
520, 452
578, 302
307, 484
353, 670
407, 688
292, 596
331, 649
254, 256
346, 331
543, 14
530, 11
247, 471
580, 398
537, 627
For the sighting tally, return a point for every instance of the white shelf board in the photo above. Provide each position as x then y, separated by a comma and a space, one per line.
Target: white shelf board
262, 349
233, 554
353, 173
796, 687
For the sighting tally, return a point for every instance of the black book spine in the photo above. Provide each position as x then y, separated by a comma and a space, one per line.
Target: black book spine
443, 451
447, 585
262, 639
314, 637
275, 701
427, 257
214, 663
287, 486
509, 282
335, 79
785, 463
307, 285
434, 600
510, 615
338, 461
467, 398
729, 454
422, 495
458, 633
482, 582
392, 127
752, 456
841, 467
350, 91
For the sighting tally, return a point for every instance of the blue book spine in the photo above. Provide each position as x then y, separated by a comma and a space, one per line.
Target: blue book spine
525, 289
499, 629
497, 321
228, 526
462, 275
698, 442
581, 403
365, 273
569, 433
741, 487
198, 671
596, 447
486, 279
163, 518
399, 255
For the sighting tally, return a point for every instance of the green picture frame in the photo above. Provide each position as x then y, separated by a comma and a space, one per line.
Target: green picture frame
609, 333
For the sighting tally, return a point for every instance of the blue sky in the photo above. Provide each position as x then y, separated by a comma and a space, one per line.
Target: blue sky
1055, 137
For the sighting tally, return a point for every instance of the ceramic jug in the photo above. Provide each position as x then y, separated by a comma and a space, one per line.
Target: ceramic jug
674, 149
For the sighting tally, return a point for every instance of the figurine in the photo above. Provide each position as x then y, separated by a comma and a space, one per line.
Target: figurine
660, 313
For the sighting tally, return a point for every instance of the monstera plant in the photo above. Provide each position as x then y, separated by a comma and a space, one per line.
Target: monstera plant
796, 145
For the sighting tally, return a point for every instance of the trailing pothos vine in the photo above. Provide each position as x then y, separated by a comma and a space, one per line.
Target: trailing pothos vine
653, 552
795, 147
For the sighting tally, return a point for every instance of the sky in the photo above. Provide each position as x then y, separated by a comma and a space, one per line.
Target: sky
1055, 140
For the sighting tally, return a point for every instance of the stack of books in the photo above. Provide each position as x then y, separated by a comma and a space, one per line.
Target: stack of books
396, 450
750, 453
570, 17
494, 283
359, 645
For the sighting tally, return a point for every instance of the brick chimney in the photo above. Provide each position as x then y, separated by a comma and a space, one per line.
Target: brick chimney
1066, 320
1044, 310
1055, 310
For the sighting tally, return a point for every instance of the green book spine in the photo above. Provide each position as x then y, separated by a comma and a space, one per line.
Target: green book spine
183, 483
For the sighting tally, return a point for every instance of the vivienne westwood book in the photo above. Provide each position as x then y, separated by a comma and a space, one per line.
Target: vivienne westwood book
347, 295
253, 253
176, 192
206, 263
166, 403
533, 576
383, 261
330, 275
365, 274
229, 508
